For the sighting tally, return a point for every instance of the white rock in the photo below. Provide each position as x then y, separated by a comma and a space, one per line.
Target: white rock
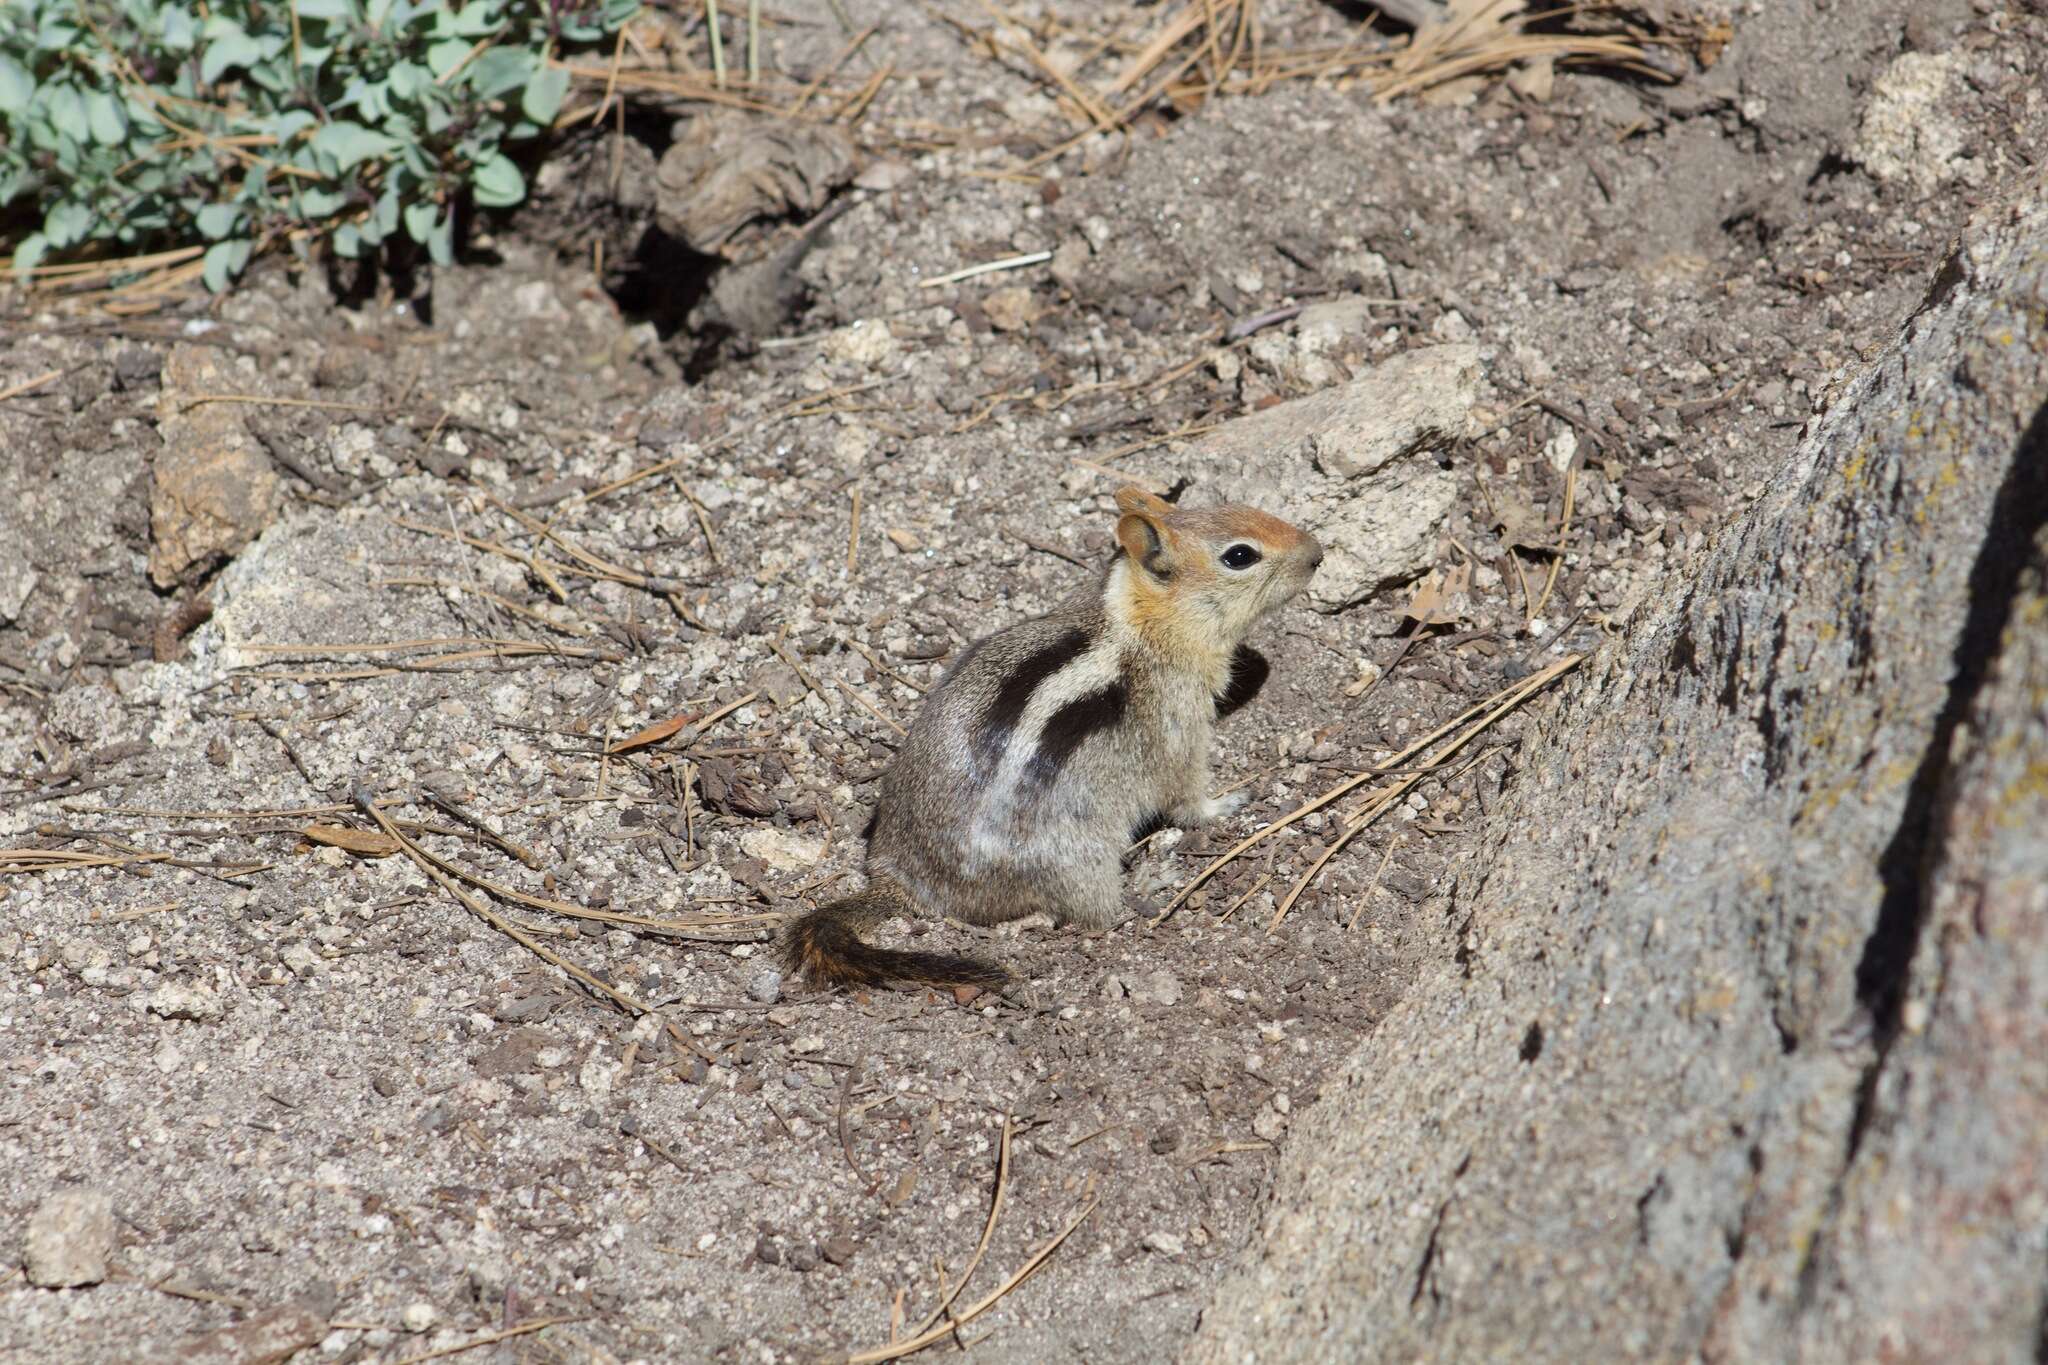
781, 849
419, 1317
867, 343
1909, 130
1157, 988
1165, 1243
17, 581
1324, 327
597, 1074
1356, 464
1561, 448
183, 1000
70, 1236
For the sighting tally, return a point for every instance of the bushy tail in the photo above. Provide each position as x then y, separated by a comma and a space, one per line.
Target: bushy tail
826, 946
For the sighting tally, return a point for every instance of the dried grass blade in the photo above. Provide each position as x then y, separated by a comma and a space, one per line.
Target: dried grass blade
897, 1350
1530, 685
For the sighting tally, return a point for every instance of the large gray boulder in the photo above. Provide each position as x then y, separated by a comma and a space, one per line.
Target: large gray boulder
1746, 1054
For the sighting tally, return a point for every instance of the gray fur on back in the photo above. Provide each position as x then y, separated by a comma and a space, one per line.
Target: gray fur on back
1020, 782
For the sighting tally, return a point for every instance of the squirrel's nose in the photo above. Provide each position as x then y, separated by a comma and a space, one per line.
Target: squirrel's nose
1315, 554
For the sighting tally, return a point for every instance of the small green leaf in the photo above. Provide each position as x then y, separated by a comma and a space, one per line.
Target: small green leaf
227, 47
348, 242
274, 75
67, 223
497, 182
218, 220
407, 79
316, 204
65, 108
178, 32
349, 143
500, 70
441, 242
385, 215
426, 224
544, 94
31, 252
103, 116
224, 261
287, 126
473, 20
322, 10
17, 87
442, 56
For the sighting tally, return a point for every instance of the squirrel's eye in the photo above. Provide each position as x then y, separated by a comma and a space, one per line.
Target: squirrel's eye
1240, 556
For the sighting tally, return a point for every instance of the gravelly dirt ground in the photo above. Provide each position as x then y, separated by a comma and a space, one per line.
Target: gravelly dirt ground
302, 1073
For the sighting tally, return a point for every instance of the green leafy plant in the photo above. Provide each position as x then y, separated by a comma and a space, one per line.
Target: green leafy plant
129, 125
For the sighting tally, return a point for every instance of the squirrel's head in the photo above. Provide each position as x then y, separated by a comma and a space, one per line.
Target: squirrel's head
1200, 578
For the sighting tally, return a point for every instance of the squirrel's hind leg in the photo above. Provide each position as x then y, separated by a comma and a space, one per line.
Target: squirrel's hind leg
1090, 894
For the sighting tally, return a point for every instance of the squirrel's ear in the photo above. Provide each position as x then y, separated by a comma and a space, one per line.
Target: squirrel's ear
1141, 530
1134, 501
1145, 542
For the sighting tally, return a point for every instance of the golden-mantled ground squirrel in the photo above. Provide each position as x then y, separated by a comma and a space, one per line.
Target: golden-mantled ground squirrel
1051, 745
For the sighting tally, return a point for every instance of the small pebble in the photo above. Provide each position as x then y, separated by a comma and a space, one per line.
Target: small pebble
70, 1236
839, 1250
1165, 1243
180, 1001
765, 986
419, 1317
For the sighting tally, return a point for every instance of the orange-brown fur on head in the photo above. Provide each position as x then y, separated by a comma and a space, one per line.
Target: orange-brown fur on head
1180, 597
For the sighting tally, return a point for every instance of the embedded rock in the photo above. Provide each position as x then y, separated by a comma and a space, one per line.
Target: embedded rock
212, 486
70, 1238
1363, 463
1742, 1054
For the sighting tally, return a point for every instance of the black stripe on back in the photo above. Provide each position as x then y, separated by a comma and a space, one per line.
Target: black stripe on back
1067, 727
1014, 695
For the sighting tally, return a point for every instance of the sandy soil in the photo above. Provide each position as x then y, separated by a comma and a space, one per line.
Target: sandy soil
310, 1078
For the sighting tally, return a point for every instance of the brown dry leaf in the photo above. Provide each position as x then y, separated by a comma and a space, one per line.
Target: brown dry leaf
653, 734
1440, 597
364, 843
1713, 38
1518, 521
724, 787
